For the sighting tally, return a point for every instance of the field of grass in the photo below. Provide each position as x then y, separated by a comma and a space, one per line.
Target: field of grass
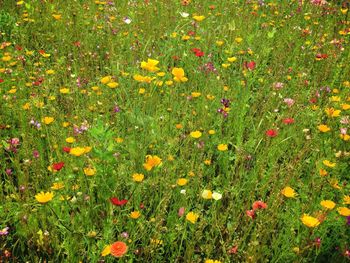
174, 131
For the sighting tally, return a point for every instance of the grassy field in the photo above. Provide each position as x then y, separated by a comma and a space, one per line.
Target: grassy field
174, 131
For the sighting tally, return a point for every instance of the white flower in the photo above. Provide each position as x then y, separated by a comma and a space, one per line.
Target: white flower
183, 14
127, 20
216, 196
183, 191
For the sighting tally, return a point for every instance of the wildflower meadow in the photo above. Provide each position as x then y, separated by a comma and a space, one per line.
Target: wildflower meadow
206, 131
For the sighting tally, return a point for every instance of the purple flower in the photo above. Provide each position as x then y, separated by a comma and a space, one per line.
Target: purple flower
348, 220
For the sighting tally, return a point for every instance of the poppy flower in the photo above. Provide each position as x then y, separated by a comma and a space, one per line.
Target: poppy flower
271, 133
250, 65
117, 202
259, 205
250, 213
118, 249
66, 149
288, 121
58, 166
1, 80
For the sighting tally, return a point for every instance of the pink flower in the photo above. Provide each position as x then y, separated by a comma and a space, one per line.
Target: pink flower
289, 102
181, 211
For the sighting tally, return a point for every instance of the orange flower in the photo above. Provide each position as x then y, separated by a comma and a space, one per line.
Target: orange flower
118, 249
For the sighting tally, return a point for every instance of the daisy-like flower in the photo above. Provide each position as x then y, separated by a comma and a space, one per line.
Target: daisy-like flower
44, 197
310, 221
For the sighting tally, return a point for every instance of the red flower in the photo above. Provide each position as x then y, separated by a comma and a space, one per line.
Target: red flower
117, 202
233, 250
250, 213
1, 80
288, 120
58, 166
66, 149
250, 65
271, 133
259, 205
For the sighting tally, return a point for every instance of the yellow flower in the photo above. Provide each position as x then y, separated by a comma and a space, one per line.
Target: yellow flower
57, 186
323, 172
64, 90
238, 40
329, 164
310, 221
344, 211
231, 59
152, 161
88, 171
211, 132
138, 177
106, 79
222, 147
335, 184
112, 85
48, 120
56, 16
207, 194
182, 181
77, 151
70, 140
135, 214
331, 112
199, 18
50, 72
212, 261
328, 204
150, 65
345, 106
192, 217
44, 197
219, 43
196, 134
346, 199
106, 251
323, 128
195, 94
207, 162
179, 75
289, 192
345, 137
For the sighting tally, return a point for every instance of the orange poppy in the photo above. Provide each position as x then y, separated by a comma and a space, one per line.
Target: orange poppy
118, 249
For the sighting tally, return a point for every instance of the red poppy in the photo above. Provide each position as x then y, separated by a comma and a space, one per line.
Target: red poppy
250, 65
41, 51
1, 80
58, 166
271, 133
313, 100
259, 205
19, 48
117, 202
250, 213
288, 120
66, 149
